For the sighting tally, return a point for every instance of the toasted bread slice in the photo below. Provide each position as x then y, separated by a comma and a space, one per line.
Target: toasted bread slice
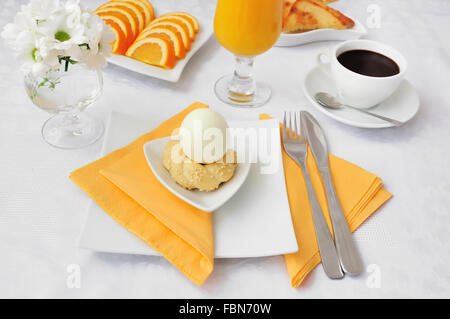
311, 14
289, 3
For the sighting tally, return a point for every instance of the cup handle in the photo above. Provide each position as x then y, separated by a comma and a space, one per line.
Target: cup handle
324, 66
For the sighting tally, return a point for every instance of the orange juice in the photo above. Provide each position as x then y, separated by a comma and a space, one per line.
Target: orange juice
248, 27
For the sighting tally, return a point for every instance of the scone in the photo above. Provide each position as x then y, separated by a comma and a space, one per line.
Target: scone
192, 175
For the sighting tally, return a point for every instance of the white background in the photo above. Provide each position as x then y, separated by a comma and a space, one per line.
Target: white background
42, 211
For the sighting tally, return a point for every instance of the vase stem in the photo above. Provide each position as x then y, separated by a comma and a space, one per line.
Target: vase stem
72, 122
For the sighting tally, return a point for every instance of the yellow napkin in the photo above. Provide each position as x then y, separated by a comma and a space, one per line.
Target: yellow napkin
360, 193
181, 233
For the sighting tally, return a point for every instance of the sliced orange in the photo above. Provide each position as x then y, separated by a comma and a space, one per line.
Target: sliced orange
168, 35
145, 6
125, 16
190, 17
153, 50
174, 26
182, 20
131, 8
120, 44
149, 5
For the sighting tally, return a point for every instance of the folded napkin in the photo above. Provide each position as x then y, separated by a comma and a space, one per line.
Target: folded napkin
125, 187
360, 193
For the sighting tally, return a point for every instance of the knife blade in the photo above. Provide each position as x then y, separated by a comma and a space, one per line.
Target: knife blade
347, 251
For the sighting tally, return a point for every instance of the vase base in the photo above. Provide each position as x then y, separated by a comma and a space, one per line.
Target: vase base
71, 131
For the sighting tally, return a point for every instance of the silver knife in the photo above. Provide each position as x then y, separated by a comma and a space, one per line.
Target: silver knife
348, 254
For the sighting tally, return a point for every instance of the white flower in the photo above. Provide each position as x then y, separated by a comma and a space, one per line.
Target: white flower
99, 37
46, 33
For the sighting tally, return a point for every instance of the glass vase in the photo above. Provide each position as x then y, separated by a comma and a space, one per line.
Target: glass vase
66, 93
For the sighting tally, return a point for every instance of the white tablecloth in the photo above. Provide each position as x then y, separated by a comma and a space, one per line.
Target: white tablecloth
405, 245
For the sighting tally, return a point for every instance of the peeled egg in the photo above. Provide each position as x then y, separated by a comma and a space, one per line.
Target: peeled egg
203, 136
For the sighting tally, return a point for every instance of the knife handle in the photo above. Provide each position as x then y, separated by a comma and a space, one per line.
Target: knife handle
327, 249
348, 253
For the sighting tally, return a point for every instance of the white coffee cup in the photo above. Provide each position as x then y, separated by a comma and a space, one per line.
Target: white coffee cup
359, 90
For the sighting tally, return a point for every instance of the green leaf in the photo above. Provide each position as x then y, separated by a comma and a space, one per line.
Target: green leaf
67, 60
84, 45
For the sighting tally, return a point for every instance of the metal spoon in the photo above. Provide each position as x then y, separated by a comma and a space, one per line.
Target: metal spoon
329, 101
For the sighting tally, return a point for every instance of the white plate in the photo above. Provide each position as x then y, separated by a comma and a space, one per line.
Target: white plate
207, 201
171, 75
255, 222
401, 106
293, 39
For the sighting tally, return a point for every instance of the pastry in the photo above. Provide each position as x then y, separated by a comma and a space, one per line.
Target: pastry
305, 15
289, 3
192, 175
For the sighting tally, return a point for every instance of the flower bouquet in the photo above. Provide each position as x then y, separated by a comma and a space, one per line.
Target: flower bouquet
62, 47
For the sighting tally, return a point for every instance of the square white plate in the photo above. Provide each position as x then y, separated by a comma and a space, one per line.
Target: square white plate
255, 222
206, 201
294, 39
171, 75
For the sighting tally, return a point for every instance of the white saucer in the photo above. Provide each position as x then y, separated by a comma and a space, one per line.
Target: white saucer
401, 106
206, 201
294, 39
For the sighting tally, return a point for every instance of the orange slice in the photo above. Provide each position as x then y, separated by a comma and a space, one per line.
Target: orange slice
154, 51
174, 26
168, 35
146, 8
182, 20
131, 8
120, 44
148, 5
190, 17
126, 17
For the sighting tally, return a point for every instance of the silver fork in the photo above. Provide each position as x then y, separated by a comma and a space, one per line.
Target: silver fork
296, 148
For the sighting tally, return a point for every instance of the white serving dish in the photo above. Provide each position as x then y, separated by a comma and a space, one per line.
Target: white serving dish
171, 75
206, 201
294, 39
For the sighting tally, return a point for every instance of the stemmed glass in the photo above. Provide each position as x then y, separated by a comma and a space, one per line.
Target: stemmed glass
246, 28
66, 93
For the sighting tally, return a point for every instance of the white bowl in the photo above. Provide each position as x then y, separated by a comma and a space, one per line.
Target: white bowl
206, 201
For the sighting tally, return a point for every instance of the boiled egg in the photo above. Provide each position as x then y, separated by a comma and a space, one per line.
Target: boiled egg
203, 136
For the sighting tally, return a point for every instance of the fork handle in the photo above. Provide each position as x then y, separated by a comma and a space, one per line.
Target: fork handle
328, 253
348, 254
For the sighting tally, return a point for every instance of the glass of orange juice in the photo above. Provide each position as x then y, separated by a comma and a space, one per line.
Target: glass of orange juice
246, 28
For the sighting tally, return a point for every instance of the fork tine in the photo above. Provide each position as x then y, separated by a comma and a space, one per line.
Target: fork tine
292, 125
284, 129
289, 126
297, 121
